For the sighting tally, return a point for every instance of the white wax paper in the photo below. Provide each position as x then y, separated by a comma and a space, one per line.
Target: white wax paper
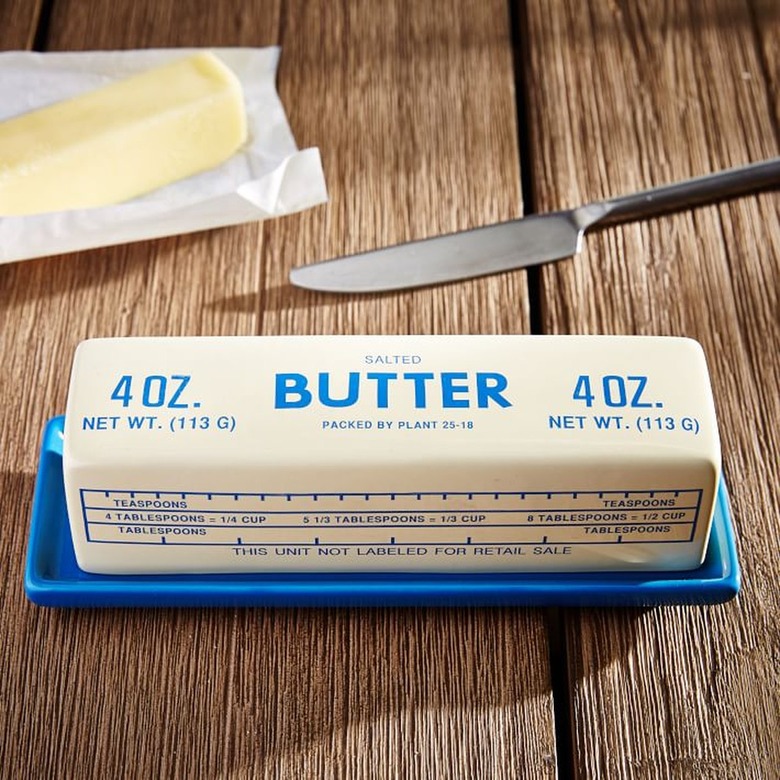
267, 177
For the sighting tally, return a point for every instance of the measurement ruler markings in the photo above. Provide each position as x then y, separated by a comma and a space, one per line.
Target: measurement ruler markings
698, 507
512, 543
418, 494
347, 526
289, 497
82, 500
394, 511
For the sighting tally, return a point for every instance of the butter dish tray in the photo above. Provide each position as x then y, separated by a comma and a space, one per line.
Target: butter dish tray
53, 578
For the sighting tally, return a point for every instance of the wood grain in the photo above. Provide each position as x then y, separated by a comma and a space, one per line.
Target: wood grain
764, 19
112, 693
18, 23
625, 96
413, 109
412, 105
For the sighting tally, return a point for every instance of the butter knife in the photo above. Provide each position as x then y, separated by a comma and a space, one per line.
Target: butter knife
521, 242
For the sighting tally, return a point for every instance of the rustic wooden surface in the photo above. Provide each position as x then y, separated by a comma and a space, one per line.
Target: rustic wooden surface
413, 108
18, 23
624, 96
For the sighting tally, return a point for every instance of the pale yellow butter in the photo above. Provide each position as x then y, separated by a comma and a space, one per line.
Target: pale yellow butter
122, 140
390, 453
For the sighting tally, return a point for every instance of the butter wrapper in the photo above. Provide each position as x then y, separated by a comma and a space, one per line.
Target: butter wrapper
268, 177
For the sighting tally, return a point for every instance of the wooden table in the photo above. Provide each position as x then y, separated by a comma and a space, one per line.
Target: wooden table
431, 116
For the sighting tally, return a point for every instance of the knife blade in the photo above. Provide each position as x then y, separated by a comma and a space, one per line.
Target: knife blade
519, 243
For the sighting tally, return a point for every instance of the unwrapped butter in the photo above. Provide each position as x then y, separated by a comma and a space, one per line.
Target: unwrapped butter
122, 140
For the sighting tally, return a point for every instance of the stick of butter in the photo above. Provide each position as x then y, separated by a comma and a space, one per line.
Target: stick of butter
122, 140
408, 453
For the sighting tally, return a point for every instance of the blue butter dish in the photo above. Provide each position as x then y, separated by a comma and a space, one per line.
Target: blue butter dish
53, 578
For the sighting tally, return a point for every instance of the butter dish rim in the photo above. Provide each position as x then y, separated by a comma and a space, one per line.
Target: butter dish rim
53, 579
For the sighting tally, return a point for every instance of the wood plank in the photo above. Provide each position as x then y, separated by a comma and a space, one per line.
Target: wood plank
261, 693
18, 23
116, 693
413, 110
622, 97
412, 107
764, 14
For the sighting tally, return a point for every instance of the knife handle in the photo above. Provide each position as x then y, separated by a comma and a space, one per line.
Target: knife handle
684, 194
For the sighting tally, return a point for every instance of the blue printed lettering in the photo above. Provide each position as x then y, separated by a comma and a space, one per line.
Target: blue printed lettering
459, 390
489, 387
382, 381
352, 391
449, 389
419, 378
295, 385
